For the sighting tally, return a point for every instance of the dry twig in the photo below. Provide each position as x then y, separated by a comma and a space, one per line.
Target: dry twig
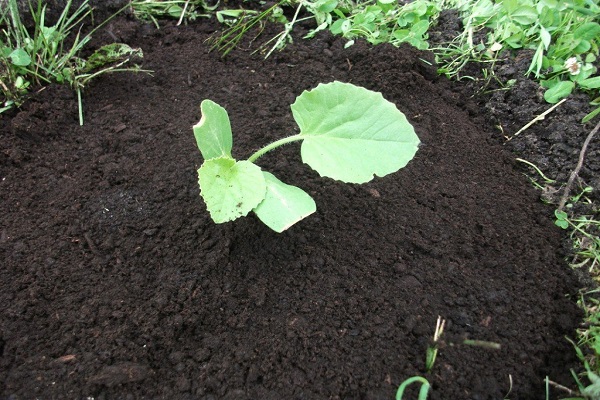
574, 174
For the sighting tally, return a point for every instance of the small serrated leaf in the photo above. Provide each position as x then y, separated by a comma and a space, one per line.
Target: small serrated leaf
230, 189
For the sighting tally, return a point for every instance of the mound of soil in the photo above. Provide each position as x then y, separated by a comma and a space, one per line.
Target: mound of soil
116, 284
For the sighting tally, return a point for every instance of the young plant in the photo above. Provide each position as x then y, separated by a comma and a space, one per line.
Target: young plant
432, 350
348, 133
425, 386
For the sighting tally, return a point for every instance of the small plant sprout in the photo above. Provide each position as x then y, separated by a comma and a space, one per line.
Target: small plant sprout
348, 133
425, 386
432, 350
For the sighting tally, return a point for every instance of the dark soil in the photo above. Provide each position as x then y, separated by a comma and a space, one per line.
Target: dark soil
552, 144
116, 284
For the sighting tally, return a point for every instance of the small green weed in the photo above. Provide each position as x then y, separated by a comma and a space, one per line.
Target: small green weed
432, 350
188, 10
425, 386
431, 355
386, 21
587, 349
379, 21
585, 231
564, 36
51, 55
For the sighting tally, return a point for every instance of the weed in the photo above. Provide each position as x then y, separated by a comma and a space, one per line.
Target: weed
432, 350
44, 57
586, 242
379, 21
587, 349
564, 36
425, 386
188, 10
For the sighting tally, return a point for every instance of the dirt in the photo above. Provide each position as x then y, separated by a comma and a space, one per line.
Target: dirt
554, 142
115, 283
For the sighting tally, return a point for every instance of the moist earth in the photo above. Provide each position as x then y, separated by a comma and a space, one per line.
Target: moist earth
116, 284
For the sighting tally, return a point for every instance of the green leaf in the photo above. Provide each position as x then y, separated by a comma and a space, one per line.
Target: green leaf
110, 54
591, 115
283, 205
213, 132
351, 133
582, 47
230, 189
545, 37
558, 91
20, 58
420, 28
525, 15
588, 31
327, 6
590, 83
561, 223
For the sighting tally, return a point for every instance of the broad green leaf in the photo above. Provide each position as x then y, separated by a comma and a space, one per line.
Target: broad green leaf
402, 35
20, 58
351, 133
525, 15
327, 6
558, 91
561, 223
582, 47
590, 58
420, 28
230, 189
588, 31
213, 132
283, 205
590, 83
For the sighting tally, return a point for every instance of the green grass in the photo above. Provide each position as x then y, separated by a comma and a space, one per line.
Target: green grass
50, 53
183, 10
562, 36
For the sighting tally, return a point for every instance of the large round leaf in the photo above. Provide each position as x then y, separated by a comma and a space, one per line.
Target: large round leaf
284, 204
230, 189
351, 133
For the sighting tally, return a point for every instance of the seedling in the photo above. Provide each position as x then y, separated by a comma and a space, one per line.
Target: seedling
348, 133
432, 350
425, 386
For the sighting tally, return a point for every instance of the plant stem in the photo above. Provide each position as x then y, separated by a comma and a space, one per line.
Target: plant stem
274, 145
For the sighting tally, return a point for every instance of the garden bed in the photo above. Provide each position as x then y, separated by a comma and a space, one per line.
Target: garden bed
117, 284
